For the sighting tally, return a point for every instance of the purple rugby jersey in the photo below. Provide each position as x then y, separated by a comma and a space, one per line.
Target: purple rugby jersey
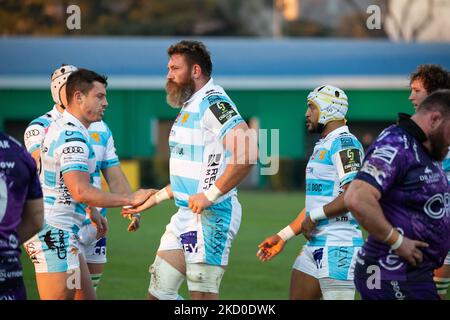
19, 182
415, 200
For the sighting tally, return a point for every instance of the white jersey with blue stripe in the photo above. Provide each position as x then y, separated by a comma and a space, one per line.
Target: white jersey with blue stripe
197, 155
36, 130
102, 141
335, 161
446, 166
65, 148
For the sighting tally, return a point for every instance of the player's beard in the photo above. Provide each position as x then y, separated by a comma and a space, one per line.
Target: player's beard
179, 93
437, 143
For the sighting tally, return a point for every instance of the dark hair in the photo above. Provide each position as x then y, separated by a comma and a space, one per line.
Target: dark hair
82, 80
437, 101
433, 77
195, 52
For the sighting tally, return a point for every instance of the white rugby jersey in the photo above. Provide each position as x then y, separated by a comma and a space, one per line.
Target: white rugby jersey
197, 155
65, 148
36, 130
102, 141
446, 166
335, 161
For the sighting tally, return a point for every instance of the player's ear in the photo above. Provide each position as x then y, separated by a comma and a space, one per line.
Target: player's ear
196, 71
435, 119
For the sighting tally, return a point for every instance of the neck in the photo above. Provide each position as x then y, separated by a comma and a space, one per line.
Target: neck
59, 108
421, 122
331, 126
200, 83
76, 114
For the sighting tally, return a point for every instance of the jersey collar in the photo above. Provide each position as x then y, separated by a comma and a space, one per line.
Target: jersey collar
336, 132
69, 118
200, 92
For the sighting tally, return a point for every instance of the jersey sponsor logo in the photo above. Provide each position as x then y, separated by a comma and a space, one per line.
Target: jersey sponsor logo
223, 111
347, 142
212, 170
13, 242
438, 206
385, 153
4, 144
218, 235
52, 244
76, 139
69, 133
351, 160
7, 165
31, 133
95, 136
68, 150
189, 241
314, 187
322, 154
184, 118
374, 172
430, 177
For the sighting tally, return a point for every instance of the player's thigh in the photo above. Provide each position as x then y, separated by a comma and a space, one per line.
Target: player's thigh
54, 286
304, 286
96, 268
85, 290
443, 272
175, 258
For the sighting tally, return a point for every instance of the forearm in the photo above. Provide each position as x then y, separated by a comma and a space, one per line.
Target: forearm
117, 180
97, 198
296, 225
336, 207
232, 176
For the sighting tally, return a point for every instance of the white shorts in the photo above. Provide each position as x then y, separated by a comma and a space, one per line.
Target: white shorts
93, 250
53, 250
327, 262
206, 237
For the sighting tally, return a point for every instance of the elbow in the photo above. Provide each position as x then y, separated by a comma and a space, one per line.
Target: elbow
80, 194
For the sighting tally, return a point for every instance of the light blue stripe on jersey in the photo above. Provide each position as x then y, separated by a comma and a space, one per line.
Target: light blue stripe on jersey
103, 141
215, 227
184, 185
34, 147
41, 121
80, 208
74, 167
319, 241
189, 120
50, 200
358, 242
186, 152
49, 178
322, 156
339, 261
109, 163
230, 125
315, 187
349, 178
212, 100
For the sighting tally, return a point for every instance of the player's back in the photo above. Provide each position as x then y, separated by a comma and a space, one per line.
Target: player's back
36, 130
18, 179
414, 199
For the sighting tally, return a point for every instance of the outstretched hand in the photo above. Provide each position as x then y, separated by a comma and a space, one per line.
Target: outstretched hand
270, 247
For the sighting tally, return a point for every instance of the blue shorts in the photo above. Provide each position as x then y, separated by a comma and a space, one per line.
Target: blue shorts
53, 250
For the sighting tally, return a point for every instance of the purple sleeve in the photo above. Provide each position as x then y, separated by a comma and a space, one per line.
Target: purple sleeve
384, 161
34, 188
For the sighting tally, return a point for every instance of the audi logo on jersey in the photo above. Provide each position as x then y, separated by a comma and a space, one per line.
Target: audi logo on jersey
31, 133
67, 150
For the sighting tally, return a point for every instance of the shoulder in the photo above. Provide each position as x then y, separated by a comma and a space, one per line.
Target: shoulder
44, 121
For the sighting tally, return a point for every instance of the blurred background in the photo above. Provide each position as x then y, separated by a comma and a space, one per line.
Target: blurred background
267, 54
